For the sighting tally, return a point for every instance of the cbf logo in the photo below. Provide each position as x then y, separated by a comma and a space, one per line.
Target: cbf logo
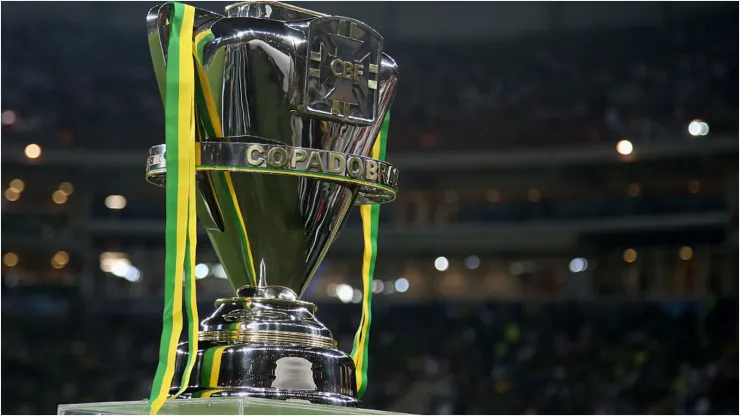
343, 67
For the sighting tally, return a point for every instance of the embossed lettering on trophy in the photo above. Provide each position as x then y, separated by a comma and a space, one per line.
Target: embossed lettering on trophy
300, 98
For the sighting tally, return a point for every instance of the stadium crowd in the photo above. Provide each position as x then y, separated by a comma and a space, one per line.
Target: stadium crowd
644, 84
436, 358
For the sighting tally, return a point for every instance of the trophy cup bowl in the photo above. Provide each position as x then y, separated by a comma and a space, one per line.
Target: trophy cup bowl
300, 98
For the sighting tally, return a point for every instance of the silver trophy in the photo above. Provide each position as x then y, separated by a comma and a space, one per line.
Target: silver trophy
300, 98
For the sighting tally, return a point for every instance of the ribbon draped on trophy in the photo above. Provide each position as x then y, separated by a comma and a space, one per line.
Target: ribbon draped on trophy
276, 120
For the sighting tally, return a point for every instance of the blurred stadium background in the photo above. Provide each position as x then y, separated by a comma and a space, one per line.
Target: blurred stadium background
565, 239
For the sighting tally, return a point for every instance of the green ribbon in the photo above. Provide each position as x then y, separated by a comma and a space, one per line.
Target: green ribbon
180, 232
370, 219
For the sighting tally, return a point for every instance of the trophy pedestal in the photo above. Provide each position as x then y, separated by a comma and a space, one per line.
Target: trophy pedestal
214, 406
267, 344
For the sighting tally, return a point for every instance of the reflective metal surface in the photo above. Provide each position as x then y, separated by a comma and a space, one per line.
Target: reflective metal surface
267, 10
300, 98
319, 375
377, 180
266, 313
266, 343
269, 78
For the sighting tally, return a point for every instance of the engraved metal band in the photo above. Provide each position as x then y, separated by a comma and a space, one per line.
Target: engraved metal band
269, 337
377, 180
275, 301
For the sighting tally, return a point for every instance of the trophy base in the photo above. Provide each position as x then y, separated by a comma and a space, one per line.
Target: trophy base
267, 344
267, 371
295, 396
214, 406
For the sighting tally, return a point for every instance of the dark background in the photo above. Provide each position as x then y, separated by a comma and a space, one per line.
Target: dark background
574, 280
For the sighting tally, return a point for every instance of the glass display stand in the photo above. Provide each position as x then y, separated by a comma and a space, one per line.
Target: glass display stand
215, 406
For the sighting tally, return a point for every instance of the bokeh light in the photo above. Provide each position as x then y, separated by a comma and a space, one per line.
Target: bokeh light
115, 202
344, 292
634, 190
441, 263
685, 253
630, 255
67, 188
472, 262
201, 271
493, 195
60, 259
10, 259
698, 128
533, 195
12, 195
578, 264
18, 185
624, 147
59, 197
33, 151
9, 117
402, 285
